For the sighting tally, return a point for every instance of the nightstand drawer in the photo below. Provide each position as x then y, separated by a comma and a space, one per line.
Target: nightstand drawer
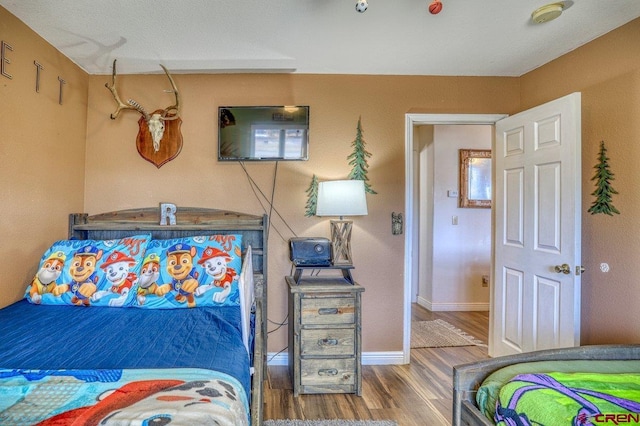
322, 372
325, 345
327, 310
336, 341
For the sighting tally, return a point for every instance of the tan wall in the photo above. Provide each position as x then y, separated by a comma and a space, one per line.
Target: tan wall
42, 153
43, 167
607, 72
117, 177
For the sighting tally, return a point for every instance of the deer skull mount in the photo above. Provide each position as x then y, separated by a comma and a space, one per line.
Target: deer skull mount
159, 138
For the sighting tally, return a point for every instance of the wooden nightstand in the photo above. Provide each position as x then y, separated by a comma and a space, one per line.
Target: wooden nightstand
324, 335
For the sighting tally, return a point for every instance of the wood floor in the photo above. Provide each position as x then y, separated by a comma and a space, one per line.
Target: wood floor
415, 394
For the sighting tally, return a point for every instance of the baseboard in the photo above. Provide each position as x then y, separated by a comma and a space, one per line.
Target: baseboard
382, 358
368, 358
423, 302
435, 307
281, 358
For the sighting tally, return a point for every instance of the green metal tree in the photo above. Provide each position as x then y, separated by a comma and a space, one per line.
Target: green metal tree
604, 190
312, 197
358, 160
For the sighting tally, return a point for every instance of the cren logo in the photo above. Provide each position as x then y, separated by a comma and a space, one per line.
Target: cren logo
611, 418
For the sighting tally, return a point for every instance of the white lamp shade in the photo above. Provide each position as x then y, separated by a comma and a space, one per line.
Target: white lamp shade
341, 198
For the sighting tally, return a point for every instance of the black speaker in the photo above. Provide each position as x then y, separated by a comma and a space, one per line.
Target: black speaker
310, 251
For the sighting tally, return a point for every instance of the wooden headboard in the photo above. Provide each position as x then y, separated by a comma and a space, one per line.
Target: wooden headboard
191, 221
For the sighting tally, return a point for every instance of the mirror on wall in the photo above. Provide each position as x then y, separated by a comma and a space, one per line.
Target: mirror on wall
475, 178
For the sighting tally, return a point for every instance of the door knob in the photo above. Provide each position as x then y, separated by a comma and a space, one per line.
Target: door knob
564, 269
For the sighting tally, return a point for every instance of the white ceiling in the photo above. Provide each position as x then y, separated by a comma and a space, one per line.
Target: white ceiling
469, 37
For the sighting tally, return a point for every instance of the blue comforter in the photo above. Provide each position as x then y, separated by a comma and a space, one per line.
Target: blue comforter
70, 337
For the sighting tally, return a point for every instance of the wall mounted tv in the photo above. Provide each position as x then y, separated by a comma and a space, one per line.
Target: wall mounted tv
263, 133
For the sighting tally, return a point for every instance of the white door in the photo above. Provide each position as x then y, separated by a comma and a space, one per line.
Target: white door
536, 277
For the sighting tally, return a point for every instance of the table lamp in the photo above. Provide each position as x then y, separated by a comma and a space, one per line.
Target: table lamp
341, 198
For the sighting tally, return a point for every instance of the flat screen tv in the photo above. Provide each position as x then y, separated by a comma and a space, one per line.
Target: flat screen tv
263, 133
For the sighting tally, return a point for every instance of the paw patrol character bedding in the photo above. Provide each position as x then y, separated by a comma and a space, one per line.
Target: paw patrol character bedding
89, 272
116, 397
190, 272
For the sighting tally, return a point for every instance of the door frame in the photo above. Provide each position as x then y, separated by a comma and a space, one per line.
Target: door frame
411, 206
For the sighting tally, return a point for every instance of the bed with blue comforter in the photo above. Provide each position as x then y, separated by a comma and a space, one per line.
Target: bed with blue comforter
143, 324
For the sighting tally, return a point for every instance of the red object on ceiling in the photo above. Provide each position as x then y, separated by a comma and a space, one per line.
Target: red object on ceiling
435, 7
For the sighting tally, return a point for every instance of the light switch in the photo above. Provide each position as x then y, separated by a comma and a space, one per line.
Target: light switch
452, 193
454, 220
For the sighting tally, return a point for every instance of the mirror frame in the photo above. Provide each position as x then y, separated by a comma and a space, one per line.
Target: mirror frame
465, 159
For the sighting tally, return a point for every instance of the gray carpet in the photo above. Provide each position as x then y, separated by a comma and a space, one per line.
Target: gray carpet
330, 423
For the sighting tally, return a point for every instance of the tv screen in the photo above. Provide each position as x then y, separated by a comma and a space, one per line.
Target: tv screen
266, 133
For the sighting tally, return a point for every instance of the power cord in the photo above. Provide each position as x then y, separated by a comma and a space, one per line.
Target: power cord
277, 353
254, 187
284, 322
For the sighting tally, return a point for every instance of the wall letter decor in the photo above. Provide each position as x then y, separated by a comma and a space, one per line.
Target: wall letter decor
62, 83
3, 55
39, 68
167, 214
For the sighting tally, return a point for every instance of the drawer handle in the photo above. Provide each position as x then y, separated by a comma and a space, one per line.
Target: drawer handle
328, 372
327, 342
328, 311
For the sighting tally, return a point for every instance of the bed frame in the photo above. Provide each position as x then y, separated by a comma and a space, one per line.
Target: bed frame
189, 222
468, 377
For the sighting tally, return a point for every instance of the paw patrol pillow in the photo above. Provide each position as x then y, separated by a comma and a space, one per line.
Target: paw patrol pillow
89, 272
189, 272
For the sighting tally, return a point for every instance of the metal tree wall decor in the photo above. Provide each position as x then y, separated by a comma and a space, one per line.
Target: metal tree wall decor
312, 197
358, 160
359, 169
604, 190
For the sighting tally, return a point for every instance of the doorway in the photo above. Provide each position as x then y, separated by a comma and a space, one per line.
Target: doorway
412, 223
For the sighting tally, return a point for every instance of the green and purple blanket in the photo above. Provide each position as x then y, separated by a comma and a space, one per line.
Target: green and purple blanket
569, 399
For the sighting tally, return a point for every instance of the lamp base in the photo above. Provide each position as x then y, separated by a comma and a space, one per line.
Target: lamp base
341, 242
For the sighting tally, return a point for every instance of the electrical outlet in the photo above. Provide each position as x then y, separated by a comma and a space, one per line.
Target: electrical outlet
485, 281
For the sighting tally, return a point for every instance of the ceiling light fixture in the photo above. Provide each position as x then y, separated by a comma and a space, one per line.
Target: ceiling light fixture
547, 13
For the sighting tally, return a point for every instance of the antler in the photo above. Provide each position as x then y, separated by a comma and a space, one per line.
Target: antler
131, 104
175, 107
